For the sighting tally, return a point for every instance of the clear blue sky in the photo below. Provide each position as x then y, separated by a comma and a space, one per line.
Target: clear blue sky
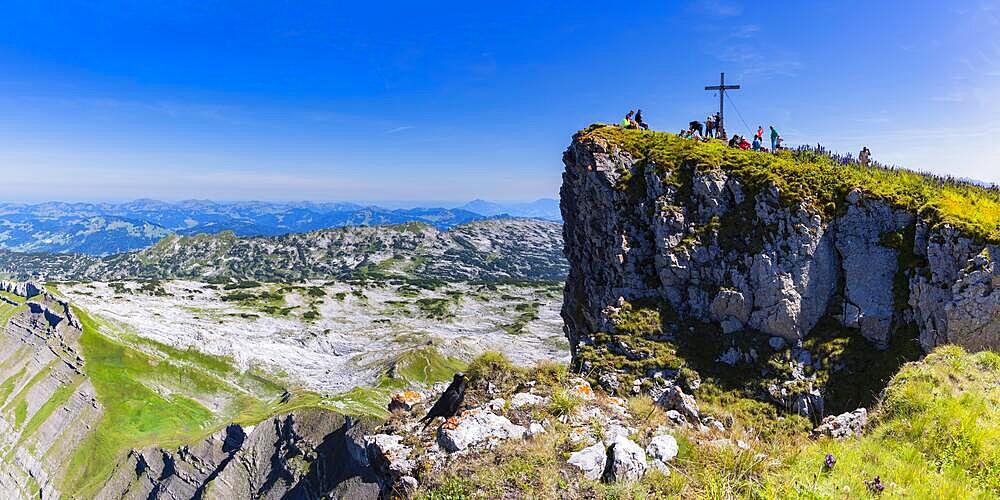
437, 101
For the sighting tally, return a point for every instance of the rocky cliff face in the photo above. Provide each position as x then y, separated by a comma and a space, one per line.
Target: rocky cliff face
304, 454
49, 406
711, 248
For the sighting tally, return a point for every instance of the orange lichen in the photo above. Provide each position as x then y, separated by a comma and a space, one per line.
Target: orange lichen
583, 391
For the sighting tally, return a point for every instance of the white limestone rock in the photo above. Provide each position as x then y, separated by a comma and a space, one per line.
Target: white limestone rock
591, 460
846, 424
663, 448
628, 460
477, 428
522, 399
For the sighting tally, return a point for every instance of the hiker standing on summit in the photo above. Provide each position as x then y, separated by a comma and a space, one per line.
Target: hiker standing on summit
775, 137
638, 120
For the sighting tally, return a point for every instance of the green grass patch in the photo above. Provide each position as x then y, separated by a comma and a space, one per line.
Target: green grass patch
935, 431
8, 385
39, 375
60, 396
525, 313
436, 308
8, 311
150, 393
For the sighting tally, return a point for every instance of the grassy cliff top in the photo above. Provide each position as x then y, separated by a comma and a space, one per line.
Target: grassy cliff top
816, 179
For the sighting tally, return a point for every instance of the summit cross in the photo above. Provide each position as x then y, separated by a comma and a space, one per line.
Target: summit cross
722, 88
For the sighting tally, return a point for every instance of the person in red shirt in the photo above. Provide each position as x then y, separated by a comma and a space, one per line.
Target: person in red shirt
760, 133
744, 145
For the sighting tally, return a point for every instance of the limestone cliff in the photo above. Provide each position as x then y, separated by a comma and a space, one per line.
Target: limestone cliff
691, 229
51, 408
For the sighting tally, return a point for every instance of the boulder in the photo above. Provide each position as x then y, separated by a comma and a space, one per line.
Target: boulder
776, 343
730, 304
844, 425
615, 429
581, 389
476, 428
497, 404
404, 402
535, 429
387, 454
627, 460
673, 398
662, 448
525, 399
592, 460
408, 486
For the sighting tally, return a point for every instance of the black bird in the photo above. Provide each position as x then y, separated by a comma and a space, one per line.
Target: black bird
450, 401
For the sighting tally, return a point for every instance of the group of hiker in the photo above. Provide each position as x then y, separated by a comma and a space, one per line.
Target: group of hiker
712, 129
633, 120
741, 142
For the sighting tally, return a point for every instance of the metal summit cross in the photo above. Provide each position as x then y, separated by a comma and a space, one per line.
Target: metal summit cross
722, 88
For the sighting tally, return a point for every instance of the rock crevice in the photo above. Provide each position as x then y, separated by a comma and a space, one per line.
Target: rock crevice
699, 241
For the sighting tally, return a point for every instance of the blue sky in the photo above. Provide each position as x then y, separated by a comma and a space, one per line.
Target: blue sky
439, 101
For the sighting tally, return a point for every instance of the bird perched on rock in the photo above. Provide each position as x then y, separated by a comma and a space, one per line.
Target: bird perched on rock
450, 401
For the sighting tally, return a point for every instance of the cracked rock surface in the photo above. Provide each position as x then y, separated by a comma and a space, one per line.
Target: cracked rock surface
717, 251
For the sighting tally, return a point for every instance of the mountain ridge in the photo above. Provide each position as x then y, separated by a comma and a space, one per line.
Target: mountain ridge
107, 228
486, 250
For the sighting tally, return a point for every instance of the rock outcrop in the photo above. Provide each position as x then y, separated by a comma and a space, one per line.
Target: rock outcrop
21, 288
303, 454
50, 408
475, 427
714, 248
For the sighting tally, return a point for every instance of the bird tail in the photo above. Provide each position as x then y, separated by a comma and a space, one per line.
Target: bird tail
428, 420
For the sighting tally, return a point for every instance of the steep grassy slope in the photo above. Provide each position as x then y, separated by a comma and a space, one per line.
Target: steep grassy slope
807, 176
934, 435
154, 394
76, 401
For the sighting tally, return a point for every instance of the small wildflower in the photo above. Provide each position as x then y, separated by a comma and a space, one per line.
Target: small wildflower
829, 461
875, 485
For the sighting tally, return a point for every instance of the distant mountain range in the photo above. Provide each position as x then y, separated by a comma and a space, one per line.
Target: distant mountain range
109, 228
545, 208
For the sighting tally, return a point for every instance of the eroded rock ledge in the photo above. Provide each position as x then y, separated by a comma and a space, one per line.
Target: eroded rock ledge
698, 243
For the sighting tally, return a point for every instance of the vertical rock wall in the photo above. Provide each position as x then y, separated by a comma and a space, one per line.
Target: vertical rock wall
717, 253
